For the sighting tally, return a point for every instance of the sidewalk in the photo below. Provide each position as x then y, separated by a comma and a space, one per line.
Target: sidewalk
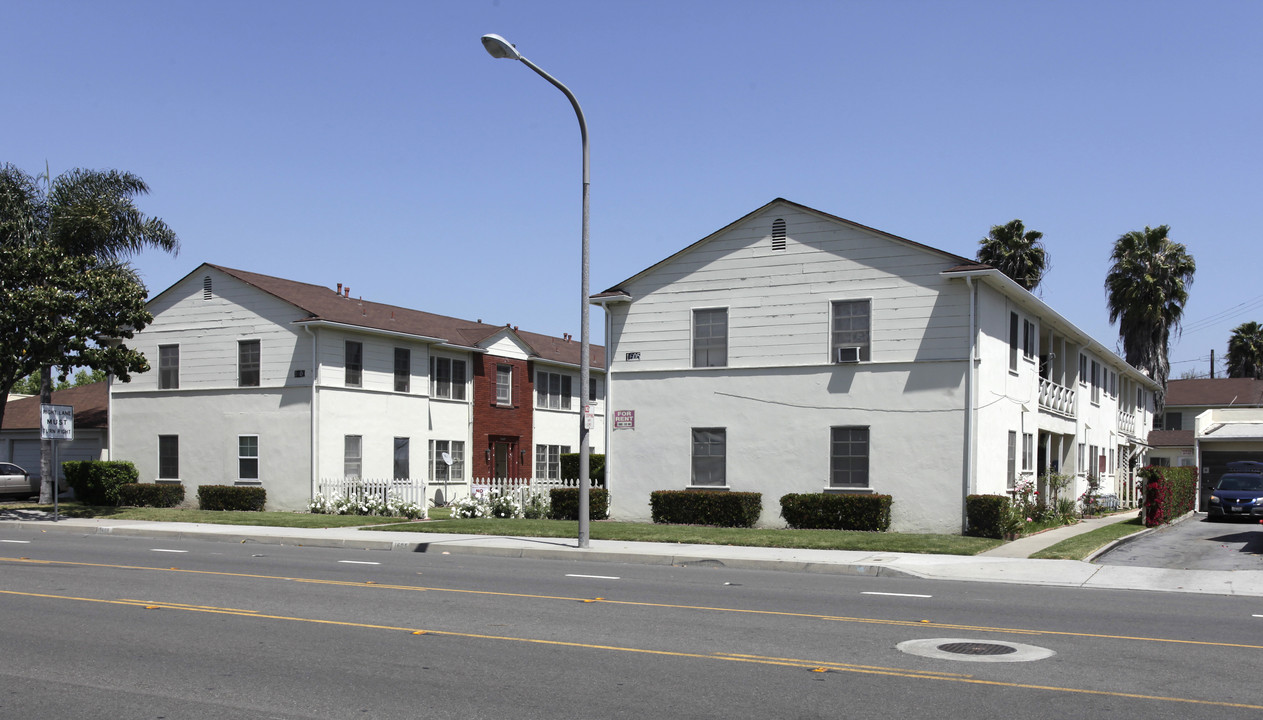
999, 565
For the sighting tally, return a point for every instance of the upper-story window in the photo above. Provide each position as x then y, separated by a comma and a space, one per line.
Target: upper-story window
1096, 382
1083, 369
710, 337
594, 389
354, 363
852, 325
504, 384
552, 391
447, 378
168, 367
1014, 340
1029, 341
1173, 421
403, 370
248, 360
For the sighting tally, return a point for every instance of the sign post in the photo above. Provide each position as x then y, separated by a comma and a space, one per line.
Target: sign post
56, 422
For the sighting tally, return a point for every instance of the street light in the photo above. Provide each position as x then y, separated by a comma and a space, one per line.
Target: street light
498, 47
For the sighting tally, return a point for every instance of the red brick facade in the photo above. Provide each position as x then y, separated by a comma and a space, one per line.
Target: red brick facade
502, 445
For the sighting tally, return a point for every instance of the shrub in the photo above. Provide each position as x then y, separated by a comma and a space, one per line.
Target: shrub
987, 515
828, 511
365, 503
231, 497
565, 503
96, 482
157, 495
1169, 492
570, 466
706, 507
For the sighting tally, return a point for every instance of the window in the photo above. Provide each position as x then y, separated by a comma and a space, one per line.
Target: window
403, 370
1028, 451
552, 391
401, 459
852, 326
1083, 369
248, 458
848, 457
1013, 341
352, 456
168, 367
439, 469
504, 385
1140, 399
1113, 391
548, 460
594, 389
1082, 465
1173, 421
447, 378
354, 363
1160, 461
1011, 480
1094, 462
248, 355
709, 451
1029, 341
1096, 383
168, 457
710, 338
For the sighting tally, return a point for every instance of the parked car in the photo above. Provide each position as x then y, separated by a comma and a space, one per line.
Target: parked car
16, 481
1237, 494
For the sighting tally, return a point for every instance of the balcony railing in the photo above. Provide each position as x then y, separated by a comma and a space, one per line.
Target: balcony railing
1127, 422
1056, 398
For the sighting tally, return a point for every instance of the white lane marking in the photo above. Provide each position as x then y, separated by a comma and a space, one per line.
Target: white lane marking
162, 550
897, 594
359, 562
23, 542
596, 577
1258, 616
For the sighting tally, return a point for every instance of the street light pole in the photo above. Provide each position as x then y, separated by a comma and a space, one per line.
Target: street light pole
498, 47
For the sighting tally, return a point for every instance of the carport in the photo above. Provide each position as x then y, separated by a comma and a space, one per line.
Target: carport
1222, 436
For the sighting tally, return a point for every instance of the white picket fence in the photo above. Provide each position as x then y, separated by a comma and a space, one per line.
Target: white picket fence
424, 493
356, 488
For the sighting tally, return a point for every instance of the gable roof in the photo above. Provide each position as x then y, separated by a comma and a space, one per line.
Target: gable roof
324, 304
959, 262
1215, 392
90, 402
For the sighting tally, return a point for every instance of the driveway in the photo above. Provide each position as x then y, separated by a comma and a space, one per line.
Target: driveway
1194, 543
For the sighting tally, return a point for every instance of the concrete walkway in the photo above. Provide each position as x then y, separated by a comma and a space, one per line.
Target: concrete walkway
991, 567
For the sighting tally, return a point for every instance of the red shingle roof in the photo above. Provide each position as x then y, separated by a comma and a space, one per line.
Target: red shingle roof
1215, 393
91, 403
1171, 438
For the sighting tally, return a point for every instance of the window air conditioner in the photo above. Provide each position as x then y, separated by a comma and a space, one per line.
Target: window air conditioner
846, 355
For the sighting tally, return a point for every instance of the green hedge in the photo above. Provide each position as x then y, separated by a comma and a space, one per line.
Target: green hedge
231, 497
162, 495
835, 511
706, 507
565, 503
1169, 492
570, 466
986, 515
97, 482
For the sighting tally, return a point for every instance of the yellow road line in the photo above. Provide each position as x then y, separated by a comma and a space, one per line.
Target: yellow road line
725, 657
633, 603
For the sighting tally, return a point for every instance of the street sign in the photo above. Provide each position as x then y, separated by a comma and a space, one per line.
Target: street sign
56, 422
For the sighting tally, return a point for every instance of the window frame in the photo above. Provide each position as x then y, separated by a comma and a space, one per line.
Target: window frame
835, 342
548, 460
168, 458
439, 470
709, 469
550, 395
446, 383
1030, 340
1011, 480
403, 461
244, 364
244, 459
709, 350
835, 471
354, 364
169, 367
504, 385
1014, 340
403, 370
1028, 452
352, 463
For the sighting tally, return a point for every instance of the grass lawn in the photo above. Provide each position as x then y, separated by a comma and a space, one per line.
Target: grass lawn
213, 517
1081, 546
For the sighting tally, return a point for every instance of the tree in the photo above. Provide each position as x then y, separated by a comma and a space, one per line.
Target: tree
1147, 287
78, 229
1245, 352
30, 384
1016, 252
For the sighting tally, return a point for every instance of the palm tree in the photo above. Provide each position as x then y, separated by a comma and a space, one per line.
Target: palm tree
1147, 286
1016, 252
1245, 352
84, 212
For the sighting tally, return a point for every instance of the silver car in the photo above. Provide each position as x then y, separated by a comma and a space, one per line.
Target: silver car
16, 481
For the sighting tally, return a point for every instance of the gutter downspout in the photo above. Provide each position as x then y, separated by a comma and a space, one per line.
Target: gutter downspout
313, 456
970, 388
609, 393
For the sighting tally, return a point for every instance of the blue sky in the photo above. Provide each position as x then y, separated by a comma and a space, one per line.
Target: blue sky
376, 144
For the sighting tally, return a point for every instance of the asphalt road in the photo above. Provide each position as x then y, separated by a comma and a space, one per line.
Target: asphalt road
98, 626
1194, 543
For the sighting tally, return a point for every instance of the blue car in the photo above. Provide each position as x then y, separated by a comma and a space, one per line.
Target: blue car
1237, 495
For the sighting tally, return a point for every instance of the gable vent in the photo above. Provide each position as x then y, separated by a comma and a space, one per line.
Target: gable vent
778, 234
206, 288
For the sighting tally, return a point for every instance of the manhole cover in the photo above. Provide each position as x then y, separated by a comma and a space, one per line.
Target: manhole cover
977, 649
967, 650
